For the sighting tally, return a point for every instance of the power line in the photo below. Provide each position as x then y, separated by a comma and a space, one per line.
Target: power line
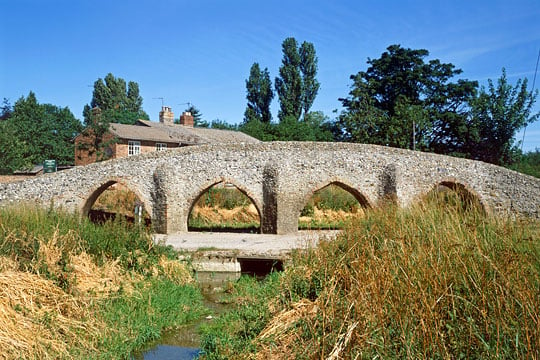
532, 89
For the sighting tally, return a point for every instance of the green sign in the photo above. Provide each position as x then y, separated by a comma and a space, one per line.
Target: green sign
49, 166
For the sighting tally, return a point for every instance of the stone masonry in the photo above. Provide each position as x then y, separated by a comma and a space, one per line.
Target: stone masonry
279, 177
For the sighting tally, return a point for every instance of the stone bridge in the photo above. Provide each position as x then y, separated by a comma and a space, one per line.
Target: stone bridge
279, 177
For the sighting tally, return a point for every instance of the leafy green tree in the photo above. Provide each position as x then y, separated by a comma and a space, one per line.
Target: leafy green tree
259, 95
222, 125
289, 83
296, 85
118, 103
5, 109
308, 68
528, 163
112, 102
498, 113
47, 131
259, 130
12, 149
402, 101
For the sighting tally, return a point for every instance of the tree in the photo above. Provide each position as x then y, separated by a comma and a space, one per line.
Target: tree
45, 131
497, 114
12, 149
308, 68
259, 95
112, 102
197, 116
296, 85
118, 103
400, 100
289, 83
5, 110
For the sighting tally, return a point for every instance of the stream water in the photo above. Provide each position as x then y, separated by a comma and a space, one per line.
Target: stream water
183, 343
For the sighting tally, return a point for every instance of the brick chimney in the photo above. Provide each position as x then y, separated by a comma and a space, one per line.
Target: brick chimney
166, 116
186, 119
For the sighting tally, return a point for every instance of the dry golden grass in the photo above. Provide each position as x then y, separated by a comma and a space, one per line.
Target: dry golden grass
419, 283
39, 320
216, 215
330, 216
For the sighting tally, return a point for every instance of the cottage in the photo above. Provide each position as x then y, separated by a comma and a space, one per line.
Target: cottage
145, 136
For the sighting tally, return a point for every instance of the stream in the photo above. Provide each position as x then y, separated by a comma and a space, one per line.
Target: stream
183, 343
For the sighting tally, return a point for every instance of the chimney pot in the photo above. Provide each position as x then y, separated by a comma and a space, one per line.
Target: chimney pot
166, 116
186, 119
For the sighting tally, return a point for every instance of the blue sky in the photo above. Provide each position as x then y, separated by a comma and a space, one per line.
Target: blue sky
200, 51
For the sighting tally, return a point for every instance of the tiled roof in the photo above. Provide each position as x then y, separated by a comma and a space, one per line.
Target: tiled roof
154, 131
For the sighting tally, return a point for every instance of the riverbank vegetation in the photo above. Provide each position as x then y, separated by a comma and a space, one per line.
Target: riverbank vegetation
439, 280
71, 289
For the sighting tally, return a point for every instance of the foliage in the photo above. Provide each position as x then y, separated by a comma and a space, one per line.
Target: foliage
5, 110
431, 281
528, 163
135, 320
498, 113
112, 102
289, 83
314, 127
197, 116
118, 103
12, 149
220, 124
400, 95
231, 334
40, 132
403, 101
308, 69
259, 95
296, 85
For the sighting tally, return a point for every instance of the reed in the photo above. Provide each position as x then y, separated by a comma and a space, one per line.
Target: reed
438, 280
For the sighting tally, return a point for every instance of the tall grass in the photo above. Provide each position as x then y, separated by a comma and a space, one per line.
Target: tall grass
72, 289
433, 281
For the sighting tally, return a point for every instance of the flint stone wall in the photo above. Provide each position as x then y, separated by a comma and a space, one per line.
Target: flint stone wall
279, 177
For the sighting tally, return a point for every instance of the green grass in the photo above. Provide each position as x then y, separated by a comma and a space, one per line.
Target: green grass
140, 318
231, 333
331, 197
223, 197
440, 280
109, 326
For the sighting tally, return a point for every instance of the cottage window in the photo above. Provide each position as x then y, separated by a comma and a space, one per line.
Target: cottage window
134, 148
161, 146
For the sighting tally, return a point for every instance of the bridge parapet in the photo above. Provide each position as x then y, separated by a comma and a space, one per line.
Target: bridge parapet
279, 177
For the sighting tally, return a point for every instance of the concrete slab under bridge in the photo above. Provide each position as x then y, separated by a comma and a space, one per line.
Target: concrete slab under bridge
220, 257
244, 244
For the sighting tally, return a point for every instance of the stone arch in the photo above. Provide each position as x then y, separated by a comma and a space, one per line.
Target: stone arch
464, 191
95, 192
209, 184
362, 199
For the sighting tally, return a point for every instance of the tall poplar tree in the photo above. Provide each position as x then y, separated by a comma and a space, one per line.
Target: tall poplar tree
297, 85
289, 83
259, 95
308, 68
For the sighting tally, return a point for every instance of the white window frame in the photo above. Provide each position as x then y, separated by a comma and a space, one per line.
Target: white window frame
161, 146
134, 147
